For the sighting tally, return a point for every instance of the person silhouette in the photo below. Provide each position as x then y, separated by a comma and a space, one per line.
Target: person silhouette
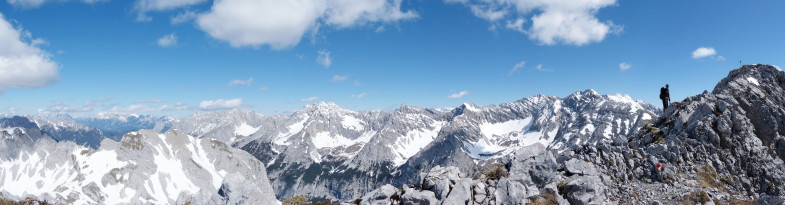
665, 96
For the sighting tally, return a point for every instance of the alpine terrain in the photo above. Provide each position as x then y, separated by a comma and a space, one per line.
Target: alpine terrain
327, 152
145, 167
723, 147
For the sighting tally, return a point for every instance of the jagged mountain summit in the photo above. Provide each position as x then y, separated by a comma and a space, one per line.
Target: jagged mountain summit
723, 147
329, 152
145, 167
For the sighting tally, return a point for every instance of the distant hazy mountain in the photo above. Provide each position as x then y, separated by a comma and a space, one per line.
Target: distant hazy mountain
115, 125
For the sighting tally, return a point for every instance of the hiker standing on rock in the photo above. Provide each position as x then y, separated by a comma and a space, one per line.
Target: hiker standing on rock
665, 96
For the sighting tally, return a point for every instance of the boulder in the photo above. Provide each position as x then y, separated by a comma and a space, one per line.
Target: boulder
580, 167
416, 197
380, 196
584, 190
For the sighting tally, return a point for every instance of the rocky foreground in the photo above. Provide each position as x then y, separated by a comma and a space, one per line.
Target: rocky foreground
723, 147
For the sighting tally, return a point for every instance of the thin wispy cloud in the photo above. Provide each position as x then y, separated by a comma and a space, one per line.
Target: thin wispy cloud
150, 101
458, 94
337, 78
220, 104
183, 17
324, 58
241, 82
264, 88
309, 99
516, 67
168, 40
360, 95
539, 67
624, 66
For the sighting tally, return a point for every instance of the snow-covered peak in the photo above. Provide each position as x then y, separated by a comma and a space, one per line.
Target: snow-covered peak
324, 107
467, 107
589, 93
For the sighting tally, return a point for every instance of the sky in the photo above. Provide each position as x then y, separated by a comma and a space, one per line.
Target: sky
177, 57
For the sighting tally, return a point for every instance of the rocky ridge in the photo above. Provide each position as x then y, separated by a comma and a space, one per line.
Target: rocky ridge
723, 147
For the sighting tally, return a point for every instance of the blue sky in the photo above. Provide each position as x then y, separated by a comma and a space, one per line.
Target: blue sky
84, 57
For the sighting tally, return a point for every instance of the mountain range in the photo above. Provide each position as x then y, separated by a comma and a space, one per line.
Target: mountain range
582, 148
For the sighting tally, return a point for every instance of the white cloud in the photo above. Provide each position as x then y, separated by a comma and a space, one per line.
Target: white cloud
136, 108
144, 6
151, 101
282, 24
624, 66
183, 17
702, 52
220, 104
29, 4
552, 21
22, 64
324, 58
168, 40
516, 25
61, 108
540, 68
173, 107
458, 94
379, 29
337, 78
488, 12
357, 83
517, 67
347, 13
361, 95
263, 88
241, 82
309, 99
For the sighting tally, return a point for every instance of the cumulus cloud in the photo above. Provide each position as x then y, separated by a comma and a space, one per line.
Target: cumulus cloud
324, 58
624, 66
361, 95
458, 94
309, 99
22, 64
552, 22
241, 82
337, 78
703, 52
220, 104
168, 40
517, 67
282, 24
